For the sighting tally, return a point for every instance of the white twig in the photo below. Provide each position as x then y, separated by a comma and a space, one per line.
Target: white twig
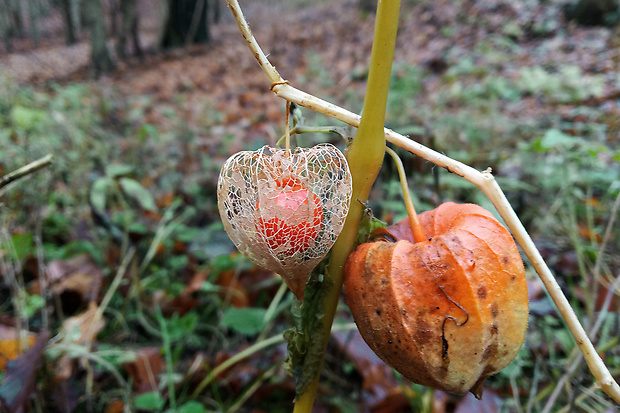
484, 180
26, 170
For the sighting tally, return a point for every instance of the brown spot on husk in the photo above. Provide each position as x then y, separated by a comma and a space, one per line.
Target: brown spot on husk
494, 311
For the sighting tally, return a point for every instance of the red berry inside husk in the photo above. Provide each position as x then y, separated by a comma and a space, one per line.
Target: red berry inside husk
296, 222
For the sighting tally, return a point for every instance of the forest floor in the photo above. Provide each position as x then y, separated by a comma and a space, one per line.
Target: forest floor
509, 85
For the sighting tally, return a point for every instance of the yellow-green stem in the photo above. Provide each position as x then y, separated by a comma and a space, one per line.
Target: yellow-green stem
365, 156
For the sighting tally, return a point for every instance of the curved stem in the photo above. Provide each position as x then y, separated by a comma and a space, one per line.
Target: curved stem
339, 130
414, 222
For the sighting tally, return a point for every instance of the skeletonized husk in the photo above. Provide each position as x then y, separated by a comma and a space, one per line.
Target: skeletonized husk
448, 312
248, 185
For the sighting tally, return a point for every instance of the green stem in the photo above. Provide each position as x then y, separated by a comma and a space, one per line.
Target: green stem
365, 156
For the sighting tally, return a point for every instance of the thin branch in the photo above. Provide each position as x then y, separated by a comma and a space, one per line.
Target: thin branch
484, 180
26, 170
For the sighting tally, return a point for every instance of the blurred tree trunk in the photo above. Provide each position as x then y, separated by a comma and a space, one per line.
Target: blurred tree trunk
11, 22
95, 20
614, 43
70, 24
593, 12
34, 11
187, 22
5, 26
17, 21
368, 6
129, 27
217, 13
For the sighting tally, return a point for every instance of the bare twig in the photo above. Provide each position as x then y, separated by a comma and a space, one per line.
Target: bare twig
26, 170
484, 180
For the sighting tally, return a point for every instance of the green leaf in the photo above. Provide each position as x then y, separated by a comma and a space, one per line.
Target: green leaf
27, 118
180, 327
116, 170
34, 302
248, 321
134, 190
554, 138
149, 401
98, 193
209, 287
147, 131
192, 407
368, 224
23, 245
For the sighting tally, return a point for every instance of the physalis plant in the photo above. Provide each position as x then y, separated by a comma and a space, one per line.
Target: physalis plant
284, 209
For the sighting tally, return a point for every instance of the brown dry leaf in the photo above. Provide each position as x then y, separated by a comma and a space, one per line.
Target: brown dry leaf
185, 301
145, 369
233, 289
11, 344
21, 374
395, 401
165, 200
80, 329
116, 406
603, 291
588, 233
77, 280
83, 328
377, 377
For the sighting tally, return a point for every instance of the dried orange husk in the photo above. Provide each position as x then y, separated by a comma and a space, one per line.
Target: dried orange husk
284, 209
448, 312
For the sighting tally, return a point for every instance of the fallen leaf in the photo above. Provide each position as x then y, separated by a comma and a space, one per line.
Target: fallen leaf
165, 200
20, 380
394, 401
185, 301
377, 377
11, 344
232, 289
116, 406
588, 233
77, 281
145, 369
81, 329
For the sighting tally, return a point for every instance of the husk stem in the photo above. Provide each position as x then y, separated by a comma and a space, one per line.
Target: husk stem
365, 156
414, 222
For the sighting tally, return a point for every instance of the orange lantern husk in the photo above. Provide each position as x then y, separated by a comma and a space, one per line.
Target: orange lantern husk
448, 312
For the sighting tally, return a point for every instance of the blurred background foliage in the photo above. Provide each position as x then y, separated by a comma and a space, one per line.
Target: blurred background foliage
125, 220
